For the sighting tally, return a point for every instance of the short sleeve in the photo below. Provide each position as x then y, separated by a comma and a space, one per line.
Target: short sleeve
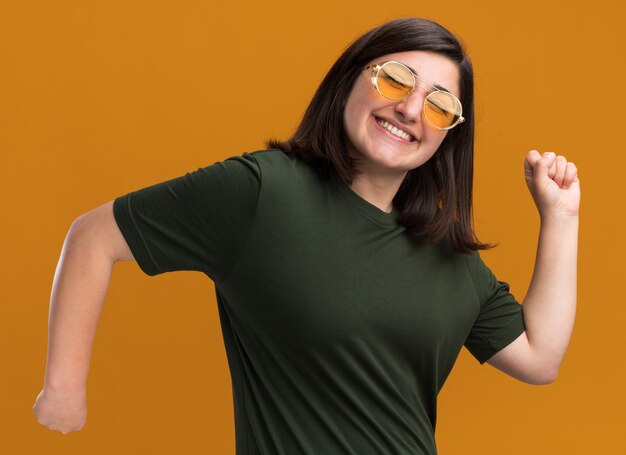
199, 221
500, 320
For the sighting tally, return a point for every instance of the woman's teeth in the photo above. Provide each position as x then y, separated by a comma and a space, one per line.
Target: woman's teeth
393, 130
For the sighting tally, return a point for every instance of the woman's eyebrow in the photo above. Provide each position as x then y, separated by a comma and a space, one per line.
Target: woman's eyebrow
440, 87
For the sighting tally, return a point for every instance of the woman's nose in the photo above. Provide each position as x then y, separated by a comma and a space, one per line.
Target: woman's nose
411, 107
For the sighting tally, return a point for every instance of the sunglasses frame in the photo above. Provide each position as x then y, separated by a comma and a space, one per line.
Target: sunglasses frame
374, 76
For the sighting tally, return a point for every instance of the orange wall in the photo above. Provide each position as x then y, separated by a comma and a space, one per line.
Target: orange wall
101, 98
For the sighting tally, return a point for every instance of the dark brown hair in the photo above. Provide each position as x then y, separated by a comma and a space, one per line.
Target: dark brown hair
434, 201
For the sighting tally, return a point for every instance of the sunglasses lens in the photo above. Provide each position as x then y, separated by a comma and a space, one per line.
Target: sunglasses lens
395, 82
442, 109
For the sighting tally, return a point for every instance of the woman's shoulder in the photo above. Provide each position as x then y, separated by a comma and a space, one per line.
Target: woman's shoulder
277, 163
271, 155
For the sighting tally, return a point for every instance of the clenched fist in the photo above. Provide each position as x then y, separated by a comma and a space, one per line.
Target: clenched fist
61, 410
553, 183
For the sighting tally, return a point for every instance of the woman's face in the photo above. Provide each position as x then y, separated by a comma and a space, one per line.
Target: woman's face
379, 150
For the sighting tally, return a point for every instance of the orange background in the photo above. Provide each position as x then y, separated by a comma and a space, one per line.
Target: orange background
99, 98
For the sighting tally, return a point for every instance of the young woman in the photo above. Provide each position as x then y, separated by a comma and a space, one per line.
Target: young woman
346, 269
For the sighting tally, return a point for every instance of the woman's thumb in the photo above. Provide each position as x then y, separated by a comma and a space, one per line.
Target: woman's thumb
538, 166
529, 163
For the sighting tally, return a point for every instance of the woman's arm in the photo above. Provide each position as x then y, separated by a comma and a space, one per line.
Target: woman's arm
549, 307
92, 246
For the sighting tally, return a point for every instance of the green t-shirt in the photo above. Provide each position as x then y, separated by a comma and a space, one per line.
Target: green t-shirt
340, 329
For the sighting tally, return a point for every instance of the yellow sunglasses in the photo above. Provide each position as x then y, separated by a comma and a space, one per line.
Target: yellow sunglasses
395, 81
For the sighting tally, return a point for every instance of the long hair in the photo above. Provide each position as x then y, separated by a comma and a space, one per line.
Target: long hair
434, 201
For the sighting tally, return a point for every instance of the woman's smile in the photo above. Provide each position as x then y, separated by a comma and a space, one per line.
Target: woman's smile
388, 133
